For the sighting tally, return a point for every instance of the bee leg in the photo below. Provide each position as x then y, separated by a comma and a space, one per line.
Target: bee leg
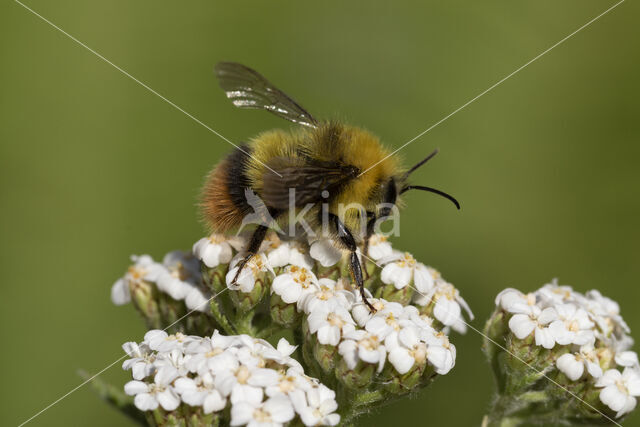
347, 239
254, 245
371, 222
356, 273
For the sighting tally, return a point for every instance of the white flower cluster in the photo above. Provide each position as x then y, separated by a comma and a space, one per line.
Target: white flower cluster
334, 311
398, 269
336, 316
401, 269
261, 384
178, 276
591, 328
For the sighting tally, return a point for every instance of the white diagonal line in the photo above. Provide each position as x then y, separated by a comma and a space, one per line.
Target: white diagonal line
88, 380
508, 76
174, 105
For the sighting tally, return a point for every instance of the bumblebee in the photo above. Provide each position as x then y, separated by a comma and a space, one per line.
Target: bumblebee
313, 170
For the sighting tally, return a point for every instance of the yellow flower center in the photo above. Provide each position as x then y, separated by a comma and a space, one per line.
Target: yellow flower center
136, 273
214, 352
407, 261
179, 271
325, 293
376, 239
287, 384
622, 387
444, 339
216, 239
256, 264
301, 276
335, 320
419, 352
573, 326
370, 343
272, 240
243, 374
179, 336
261, 416
391, 321
448, 291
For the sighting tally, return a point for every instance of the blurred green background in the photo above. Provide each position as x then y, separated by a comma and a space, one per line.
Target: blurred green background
94, 167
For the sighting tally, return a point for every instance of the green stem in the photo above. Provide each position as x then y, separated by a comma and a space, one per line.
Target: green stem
243, 322
221, 319
500, 415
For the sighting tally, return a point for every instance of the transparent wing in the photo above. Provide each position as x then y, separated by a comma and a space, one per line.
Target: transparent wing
246, 88
307, 178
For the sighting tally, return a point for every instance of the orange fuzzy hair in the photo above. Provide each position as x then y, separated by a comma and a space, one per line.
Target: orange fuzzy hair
218, 210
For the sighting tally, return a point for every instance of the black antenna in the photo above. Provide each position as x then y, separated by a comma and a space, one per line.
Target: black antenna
420, 163
429, 189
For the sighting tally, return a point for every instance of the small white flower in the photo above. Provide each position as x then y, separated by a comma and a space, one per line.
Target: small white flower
362, 345
361, 312
181, 275
298, 255
213, 250
278, 255
440, 352
325, 252
573, 365
405, 349
120, 293
143, 270
289, 383
197, 300
244, 382
388, 321
326, 295
514, 301
619, 390
317, 406
246, 280
285, 348
330, 324
448, 303
141, 362
379, 247
169, 365
573, 325
627, 359
200, 391
289, 253
161, 341
294, 284
210, 356
605, 312
402, 271
534, 319
552, 293
275, 411
149, 396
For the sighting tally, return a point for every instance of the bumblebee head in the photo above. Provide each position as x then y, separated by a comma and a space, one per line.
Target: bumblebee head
398, 185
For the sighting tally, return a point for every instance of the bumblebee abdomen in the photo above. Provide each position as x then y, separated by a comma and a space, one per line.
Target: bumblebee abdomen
223, 203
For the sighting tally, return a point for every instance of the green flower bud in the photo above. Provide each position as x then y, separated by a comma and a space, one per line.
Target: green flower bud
282, 313
144, 297
391, 293
356, 378
246, 301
